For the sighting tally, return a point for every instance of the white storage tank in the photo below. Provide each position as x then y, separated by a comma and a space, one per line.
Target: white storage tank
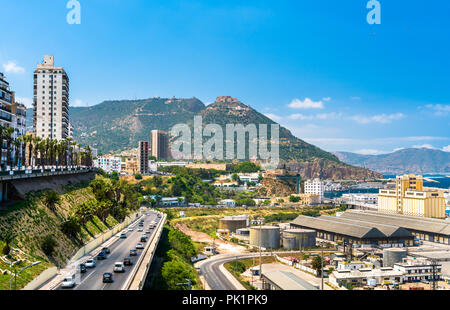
266, 236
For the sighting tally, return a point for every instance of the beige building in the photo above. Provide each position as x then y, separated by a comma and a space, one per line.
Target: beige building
160, 144
409, 197
130, 165
51, 101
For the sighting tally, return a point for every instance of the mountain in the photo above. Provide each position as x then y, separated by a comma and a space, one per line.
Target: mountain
119, 125
412, 160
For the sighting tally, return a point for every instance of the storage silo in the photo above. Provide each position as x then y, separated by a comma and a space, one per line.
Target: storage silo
289, 243
392, 256
233, 223
304, 238
266, 236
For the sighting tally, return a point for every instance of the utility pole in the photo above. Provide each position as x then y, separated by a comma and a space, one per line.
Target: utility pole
260, 247
188, 283
321, 273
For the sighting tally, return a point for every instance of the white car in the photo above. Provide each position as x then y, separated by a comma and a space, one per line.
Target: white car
119, 267
68, 282
131, 229
90, 263
140, 229
139, 246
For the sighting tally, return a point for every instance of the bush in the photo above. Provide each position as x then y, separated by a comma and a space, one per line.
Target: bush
138, 176
71, 227
51, 198
6, 249
48, 245
294, 199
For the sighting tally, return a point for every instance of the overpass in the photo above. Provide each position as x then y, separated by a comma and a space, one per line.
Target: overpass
7, 177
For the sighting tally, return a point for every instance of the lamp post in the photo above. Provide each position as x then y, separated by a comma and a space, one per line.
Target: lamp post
84, 246
20, 271
11, 264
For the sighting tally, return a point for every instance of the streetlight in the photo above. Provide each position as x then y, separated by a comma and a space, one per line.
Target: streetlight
20, 271
84, 246
11, 264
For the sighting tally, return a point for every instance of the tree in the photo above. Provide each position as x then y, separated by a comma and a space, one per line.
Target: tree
317, 263
174, 272
71, 227
138, 176
294, 199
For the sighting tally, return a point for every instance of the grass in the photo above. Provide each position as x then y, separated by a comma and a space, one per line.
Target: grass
236, 268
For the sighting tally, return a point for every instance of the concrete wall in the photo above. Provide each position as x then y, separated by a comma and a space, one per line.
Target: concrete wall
41, 279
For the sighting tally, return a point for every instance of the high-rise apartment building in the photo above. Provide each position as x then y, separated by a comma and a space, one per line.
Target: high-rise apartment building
409, 197
6, 102
143, 156
51, 101
160, 144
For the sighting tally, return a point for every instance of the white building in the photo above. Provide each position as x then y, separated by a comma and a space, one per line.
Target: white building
109, 164
51, 101
249, 177
316, 187
419, 269
360, 198
228, 203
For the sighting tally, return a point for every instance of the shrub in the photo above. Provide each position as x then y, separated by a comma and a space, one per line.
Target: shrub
51, 198
138, 176
294, 199
48, 245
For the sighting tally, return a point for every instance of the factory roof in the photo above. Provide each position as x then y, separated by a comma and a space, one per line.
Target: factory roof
287, 281
408, 222
366, 273
338, 227
390, 231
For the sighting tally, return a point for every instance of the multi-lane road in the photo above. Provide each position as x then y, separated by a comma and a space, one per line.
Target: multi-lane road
93, 278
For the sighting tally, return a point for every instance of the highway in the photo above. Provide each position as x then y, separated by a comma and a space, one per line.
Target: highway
93, 278
214, 276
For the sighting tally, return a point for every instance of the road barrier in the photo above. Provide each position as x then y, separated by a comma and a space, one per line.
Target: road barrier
136, 280
41, 279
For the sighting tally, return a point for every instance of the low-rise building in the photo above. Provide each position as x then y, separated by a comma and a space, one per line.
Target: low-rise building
366, 276
420, 269
353, 265
228, 203
109, 163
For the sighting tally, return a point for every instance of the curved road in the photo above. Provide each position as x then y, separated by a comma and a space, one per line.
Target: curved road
214, 276
92, 279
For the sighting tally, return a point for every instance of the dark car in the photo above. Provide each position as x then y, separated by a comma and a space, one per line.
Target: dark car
143, 239
141, 224
106, 250
101, 256
83, 268
127, 261
133, 252
108, 277
123, 236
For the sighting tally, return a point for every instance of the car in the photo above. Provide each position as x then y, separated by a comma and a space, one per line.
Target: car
119, 267
101, 256
131, 229
133, 252
127, 261
90, 263
148, 231
159, 215
141, 224
144, 239
82, 268
140, 229
139, 246
68, 282
106, 250
108, 277
123, 236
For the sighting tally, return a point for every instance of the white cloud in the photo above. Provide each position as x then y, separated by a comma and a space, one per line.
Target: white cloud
439, 109
326, 99
306, 104
322, 116
273, 117
446, 148
78, 103
299, 116
28, 102
398, 149
12, 67
381, 118
424, 146
355, 98
369, 152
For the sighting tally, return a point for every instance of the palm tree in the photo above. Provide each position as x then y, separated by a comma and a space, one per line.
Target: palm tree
29, 140
23, 147
8, 135
36, 142
17, 145
2, 130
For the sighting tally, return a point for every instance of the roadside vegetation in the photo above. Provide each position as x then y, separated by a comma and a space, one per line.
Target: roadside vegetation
236, 268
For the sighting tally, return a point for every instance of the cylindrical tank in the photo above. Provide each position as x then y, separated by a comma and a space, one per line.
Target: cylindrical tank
304, 238
266, 236
232, 223
289, 243
393, 255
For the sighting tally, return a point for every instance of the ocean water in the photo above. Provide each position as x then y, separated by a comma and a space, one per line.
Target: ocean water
442, 181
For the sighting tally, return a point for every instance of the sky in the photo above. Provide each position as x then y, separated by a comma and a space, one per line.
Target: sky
316, 67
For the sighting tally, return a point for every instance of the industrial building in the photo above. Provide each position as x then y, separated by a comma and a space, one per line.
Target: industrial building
343, 230
393, 255
265, 236
283, 280
409, 197
233, 223
366, 276
434, 230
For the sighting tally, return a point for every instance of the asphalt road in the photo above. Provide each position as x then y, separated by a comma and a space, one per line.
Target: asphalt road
216, 280
93, 278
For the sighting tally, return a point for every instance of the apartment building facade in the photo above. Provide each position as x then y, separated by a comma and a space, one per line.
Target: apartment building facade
143, 154
160, 144
109, 164
316, 187
409, 197
51, 101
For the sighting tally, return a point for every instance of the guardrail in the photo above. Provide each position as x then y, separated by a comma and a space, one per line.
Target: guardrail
137, 278
22, 174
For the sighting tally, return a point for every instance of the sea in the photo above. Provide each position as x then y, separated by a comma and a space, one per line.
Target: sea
430, 180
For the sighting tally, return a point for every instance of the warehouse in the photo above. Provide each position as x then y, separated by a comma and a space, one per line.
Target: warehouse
287, 281
429, 229
339, 231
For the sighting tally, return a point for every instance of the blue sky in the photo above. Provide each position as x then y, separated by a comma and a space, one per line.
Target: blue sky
316, 67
